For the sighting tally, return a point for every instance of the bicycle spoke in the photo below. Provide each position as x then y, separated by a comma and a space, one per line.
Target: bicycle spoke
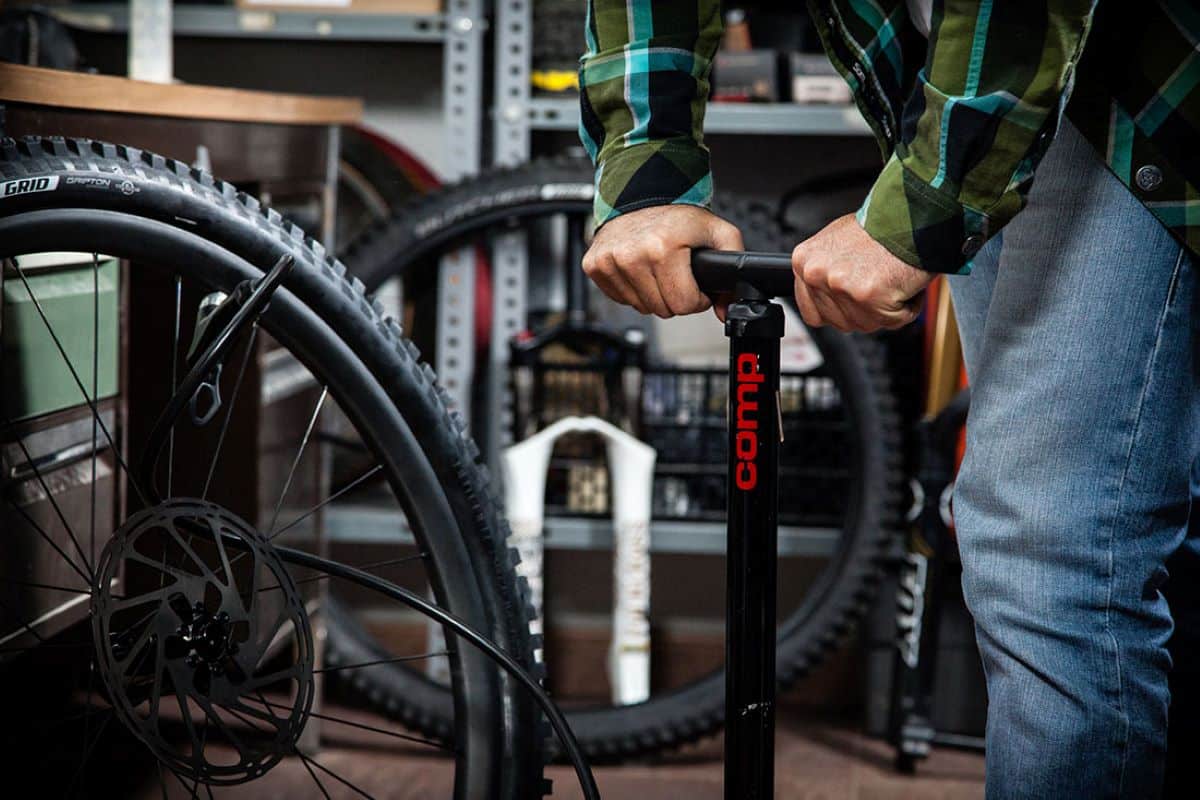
184, 708
226, 566
372, 729
199, 757
174, 383
289, 673
348, 487
160, 650
262, 636
179, 778
50, 586
87, 754
38, 528
254, 714
366, 475
135, 664
26, 624
134, 601
312, 422
91, 576
75, 375
95, 393
162, 782
192, 554
369, 566
165, 569
212, 715
87, 717
397, 660
332, 774
130, 664
182, 782
44, 646
230, 403
317, 780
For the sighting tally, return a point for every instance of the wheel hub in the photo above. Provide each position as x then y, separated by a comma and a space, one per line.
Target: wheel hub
208, 638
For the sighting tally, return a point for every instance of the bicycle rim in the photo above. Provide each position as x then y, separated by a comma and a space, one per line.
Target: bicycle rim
338, 384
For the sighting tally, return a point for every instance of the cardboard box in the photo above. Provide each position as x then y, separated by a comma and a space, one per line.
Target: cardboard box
345, 6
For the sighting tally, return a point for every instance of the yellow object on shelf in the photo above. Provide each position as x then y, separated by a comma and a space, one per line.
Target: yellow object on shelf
558, 80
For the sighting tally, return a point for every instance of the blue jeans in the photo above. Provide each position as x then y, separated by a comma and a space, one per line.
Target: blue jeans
1080, 333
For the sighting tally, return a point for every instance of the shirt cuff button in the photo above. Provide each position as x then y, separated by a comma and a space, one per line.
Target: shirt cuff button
1149, 178
973, 244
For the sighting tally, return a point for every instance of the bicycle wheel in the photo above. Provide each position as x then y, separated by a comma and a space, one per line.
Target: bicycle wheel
867, 440
133, 513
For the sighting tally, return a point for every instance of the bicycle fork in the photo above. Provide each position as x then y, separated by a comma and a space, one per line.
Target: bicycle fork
754, 326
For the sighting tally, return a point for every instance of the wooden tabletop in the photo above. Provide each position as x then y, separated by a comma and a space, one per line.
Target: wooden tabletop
61, 89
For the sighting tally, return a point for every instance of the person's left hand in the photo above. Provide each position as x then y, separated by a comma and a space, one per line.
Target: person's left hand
846, 279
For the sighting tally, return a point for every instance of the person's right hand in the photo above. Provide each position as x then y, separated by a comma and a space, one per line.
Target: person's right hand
644, 258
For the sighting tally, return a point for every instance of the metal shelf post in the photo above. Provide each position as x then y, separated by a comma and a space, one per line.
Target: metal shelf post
463, 103
509, 256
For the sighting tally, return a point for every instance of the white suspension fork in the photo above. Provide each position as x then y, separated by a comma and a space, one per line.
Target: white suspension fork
631, 466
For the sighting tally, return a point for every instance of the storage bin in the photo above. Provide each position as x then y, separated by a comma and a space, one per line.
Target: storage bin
34, 377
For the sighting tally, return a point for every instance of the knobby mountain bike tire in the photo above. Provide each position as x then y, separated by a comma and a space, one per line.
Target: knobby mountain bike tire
502, 201
169, 220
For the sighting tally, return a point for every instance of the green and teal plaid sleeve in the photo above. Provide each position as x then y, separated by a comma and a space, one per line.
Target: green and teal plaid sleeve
643, 87
974, 126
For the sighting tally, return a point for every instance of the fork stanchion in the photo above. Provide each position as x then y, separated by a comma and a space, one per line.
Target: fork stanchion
754, 326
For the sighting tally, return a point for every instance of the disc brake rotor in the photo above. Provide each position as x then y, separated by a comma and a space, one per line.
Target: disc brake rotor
185, 644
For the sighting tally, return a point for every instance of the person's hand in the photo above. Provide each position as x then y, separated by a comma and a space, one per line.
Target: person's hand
846, 279
643, 258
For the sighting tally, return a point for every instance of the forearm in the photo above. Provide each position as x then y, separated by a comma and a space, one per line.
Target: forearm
644, 84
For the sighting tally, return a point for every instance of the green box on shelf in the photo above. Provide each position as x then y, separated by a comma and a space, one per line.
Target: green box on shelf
35, 380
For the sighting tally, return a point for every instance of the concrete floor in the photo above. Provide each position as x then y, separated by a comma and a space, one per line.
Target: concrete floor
816, 760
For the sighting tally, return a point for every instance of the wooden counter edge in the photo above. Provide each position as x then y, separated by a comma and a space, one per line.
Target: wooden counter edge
61, 89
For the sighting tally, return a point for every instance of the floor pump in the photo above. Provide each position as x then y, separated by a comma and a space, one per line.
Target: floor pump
754, 326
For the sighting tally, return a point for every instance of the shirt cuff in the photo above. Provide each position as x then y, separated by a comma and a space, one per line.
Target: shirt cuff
922, 225
652, 174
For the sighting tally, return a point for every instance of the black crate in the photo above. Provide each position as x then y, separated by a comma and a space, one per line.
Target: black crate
682, 414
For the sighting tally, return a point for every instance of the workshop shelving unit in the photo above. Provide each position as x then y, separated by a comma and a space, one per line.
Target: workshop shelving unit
461, 29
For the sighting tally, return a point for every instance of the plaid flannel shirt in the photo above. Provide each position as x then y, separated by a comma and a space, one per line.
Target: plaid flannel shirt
962, 118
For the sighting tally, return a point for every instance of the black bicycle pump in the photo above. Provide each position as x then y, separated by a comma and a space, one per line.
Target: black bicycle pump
754, 326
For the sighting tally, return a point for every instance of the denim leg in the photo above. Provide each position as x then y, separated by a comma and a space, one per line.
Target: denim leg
1075, 488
